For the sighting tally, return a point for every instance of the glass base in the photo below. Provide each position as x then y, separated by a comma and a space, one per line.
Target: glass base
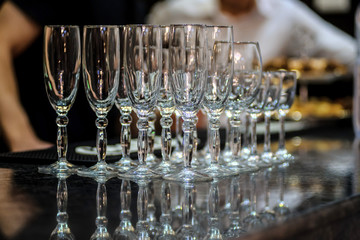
164, 168
124, 164
226, 156
141, 172
217, 171
283, 155
267, 217
281, 211
235, 230
100, 169
253, 222
151, 159
177, 157
242, 166
188, 175
59, 167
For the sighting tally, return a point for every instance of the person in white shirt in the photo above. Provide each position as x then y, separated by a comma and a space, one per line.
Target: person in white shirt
282, 27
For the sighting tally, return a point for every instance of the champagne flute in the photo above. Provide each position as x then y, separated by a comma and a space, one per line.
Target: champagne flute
220, 74
123, 103
271, 105
286, 100
101, 69
244, 89
62, 60
166, 105
143, 74
188, 70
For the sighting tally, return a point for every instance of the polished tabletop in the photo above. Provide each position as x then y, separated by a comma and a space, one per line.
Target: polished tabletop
318, 193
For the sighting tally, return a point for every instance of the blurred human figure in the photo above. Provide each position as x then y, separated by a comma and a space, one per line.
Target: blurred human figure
282, 27
27, 121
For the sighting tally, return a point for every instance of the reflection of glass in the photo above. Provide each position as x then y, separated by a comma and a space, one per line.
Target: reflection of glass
267, 215
62, 230
286, 100
253, 221
166, 232
187, 230
281, 210
61, 74
188, 72
101, 231
143, 74
244, 88
236, 229
142, 226
125, 230
219, 77
101, 69
123, 103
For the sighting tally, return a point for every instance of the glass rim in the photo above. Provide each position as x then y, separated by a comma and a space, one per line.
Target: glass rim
99, 26
246, 42
220, 26
59, 26
188, 24
142, 25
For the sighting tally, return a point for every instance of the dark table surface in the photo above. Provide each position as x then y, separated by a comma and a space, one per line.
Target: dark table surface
320, 189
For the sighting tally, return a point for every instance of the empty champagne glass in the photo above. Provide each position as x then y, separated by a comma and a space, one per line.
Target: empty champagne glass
123, 103
286, 100
143, 74
188, 70
62, 60
244, 88
220, 75
101, 70
255, 110
166, 105
271, 105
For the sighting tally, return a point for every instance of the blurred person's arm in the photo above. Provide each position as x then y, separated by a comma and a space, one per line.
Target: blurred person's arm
329, 41
17, 32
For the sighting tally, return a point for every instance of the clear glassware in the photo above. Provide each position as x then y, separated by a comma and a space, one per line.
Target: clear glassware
62, 230
245, 150
166, 105
62, 61
101, 70
142, 226
255, 109
125, 230
244, 88
123, 103
286, 100
271, 105
253, 220
166, 232
226, 153
151, 158
220, 75
153, 223
143, 76
267, 215
177, 154
101, 221
188, 71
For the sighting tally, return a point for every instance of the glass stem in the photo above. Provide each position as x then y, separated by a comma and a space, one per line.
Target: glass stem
165, 203
253, 135
282, 115
253, 193
214, 139
101, 139
227, 137
142, 202
125, 137
214, 200
178, 132
246, 130
235, 136
62, 137
267, 174
267, 137
188, 141
142, 142
166, 123
151, 132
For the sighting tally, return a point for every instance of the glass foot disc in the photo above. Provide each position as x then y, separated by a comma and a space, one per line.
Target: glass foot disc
188, 175
63, 167
98, 170
141, 172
